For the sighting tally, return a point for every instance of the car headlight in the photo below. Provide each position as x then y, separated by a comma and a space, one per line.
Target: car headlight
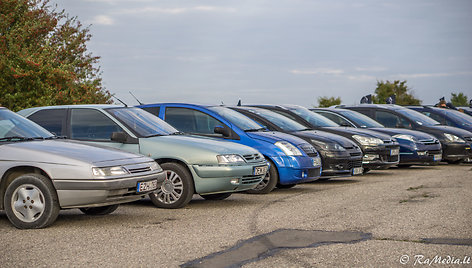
367, 141
155, 166
109, 171
453, 138
288, 148
229, 159
405, 137
316, 161
328, 146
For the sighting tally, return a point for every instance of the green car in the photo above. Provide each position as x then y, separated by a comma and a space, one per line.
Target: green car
209, 167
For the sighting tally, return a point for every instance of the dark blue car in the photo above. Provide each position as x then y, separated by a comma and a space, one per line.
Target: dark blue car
291, 159
445, 116
416, 147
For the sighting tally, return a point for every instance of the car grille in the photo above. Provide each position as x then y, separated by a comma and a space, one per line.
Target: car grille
253, 157
309, 150
250, 179
354, 164
313, 172
356, 154
434, 152
387, 141
429, 141
389, 158
139, 168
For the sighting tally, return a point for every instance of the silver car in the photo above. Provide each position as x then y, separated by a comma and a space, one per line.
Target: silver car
40, 174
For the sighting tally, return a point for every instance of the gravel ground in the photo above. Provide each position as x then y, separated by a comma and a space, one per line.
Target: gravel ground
416, 215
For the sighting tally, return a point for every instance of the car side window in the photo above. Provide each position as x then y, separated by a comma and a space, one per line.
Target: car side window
191, 121
436, 117
90, 124
152, 110
391, 120
53, 120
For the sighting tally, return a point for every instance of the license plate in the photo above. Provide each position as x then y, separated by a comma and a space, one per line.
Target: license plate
357, 170
147, 186
394, 151
437, 157
260, 170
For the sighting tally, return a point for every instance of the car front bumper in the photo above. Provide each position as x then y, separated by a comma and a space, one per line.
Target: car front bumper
420, 154
456, 151
102, 192
381, 157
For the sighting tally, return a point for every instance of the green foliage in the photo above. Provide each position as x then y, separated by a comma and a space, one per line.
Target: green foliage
459, 99
397, 88
328, 101
44, 58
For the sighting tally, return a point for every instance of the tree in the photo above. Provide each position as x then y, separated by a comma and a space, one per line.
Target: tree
459, 99
44, 58
328, 101
397, 88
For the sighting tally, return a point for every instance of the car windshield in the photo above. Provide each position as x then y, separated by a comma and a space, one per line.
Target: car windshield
459, 117
418, 117
279, 120
142, 122
14, 127
241, 121
362, 120
315, 119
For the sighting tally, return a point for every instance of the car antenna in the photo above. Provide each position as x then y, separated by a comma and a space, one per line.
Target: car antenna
239, 102
140, 103
126, 105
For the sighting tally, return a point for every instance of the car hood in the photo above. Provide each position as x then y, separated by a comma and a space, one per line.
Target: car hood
275, 136
395, 131
191, 149
453, 130
326, 137
359, 131
66, 152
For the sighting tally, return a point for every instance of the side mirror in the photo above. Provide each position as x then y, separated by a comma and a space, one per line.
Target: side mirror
222, 130
120, 137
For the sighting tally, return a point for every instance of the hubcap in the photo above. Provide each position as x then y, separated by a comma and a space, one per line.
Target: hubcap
171, 189
264, 181
27, 203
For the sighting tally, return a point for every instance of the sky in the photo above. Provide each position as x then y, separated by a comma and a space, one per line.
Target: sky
277, 51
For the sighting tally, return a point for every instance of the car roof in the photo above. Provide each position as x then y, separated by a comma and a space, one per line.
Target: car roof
387, 106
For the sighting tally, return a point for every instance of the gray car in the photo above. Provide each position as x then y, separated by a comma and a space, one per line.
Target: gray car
40, 174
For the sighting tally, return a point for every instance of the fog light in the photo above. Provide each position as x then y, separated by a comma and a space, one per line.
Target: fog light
235, 181
304, 175
422, 153
370, 157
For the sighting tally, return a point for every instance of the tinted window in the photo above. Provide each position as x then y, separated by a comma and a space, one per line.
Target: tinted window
335, 118
277, 119
191, 121
391, 120
315, 119
90, 124
434, 116
52, 120
361, 119
417, 117
238, 119
152, 110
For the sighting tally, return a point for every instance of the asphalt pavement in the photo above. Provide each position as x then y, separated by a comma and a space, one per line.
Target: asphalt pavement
388, 218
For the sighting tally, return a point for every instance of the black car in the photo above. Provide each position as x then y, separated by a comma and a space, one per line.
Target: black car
446, 116
416, 147
339, 155
455, 142
380, 150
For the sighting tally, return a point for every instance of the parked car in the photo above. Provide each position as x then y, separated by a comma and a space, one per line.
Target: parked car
41, 174
464, 109
445, 116
212, 168
340, 156
416, 148
292, 160
455, 142
380, 150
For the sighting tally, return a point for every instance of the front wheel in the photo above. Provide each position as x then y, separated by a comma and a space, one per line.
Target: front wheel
219, 196
31, 202
268, 183
176, 190
99, 210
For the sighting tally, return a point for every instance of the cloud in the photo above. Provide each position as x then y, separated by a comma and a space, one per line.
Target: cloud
102, 20
319, 71
175, 11
370, 69
427, 75
361, 77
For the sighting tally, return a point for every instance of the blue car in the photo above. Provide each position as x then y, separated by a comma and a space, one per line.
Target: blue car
416, 147
291, 159
446, 116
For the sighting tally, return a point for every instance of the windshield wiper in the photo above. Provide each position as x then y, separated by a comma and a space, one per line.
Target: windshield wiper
19, 138
255, 129
177, 133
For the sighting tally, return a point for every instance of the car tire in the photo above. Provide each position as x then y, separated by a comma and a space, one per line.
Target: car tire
220, 196
269, 182
285, 186
31, 202
105, 210
176, 190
